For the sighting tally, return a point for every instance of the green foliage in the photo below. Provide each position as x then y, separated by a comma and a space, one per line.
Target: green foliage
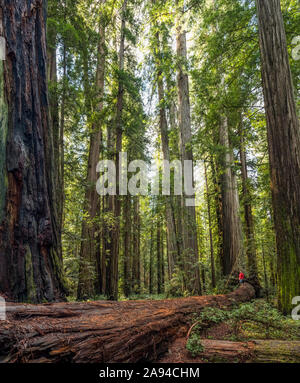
254, 320
175, 286
194, 345
261, 319
213, 315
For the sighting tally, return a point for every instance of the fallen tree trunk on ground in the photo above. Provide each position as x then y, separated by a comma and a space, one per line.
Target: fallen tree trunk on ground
260, 351
102, 331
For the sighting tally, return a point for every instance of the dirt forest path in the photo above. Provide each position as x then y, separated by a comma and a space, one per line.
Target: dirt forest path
103, 331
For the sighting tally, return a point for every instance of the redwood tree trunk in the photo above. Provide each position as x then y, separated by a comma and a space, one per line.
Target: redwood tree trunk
102, 331
212, 257
284, 147
173, 250
127, 245
151, 262
232, 230
158, 255
218, 206
112, 283
136, 259
190, 245
90, 225
54, 123
30, 263
249, 222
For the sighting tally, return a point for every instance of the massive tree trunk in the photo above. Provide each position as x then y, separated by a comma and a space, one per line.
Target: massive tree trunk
102, 331
90, 245
190, 245
232, 230
30, 263
284, 147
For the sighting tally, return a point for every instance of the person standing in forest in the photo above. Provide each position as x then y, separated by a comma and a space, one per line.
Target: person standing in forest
241, 277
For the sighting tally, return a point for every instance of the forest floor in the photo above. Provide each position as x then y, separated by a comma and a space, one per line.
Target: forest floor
233, 338
233, 327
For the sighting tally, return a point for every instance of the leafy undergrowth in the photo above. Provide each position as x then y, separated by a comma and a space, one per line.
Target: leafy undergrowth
194, 345
254, 320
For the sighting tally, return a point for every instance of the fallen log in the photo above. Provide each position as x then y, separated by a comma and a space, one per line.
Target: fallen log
258, 351
102, 331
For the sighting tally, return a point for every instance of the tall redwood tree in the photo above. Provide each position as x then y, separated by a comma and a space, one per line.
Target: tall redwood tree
30, 259
284, 147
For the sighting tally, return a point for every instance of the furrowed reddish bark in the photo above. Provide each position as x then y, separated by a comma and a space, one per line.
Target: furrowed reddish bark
103, 331
30, 259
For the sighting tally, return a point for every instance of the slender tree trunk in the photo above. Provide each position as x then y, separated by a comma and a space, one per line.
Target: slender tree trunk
109, 226
104, 233
284, 147
55, 126
127, 245
250, 236
136, 272
145, 271
265, 271
212, 258
139, 244
190, 245
114, 277
232, 231
90, 225
173, 250
151, 265
218, 208
61, 189
201, 246
272, 271
163, 260
176, 200
30, 263
158, 256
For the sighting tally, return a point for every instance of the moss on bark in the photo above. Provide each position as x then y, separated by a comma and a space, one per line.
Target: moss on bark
288, 277
30, 285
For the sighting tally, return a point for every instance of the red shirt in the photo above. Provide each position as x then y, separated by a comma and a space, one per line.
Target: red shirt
241, 276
